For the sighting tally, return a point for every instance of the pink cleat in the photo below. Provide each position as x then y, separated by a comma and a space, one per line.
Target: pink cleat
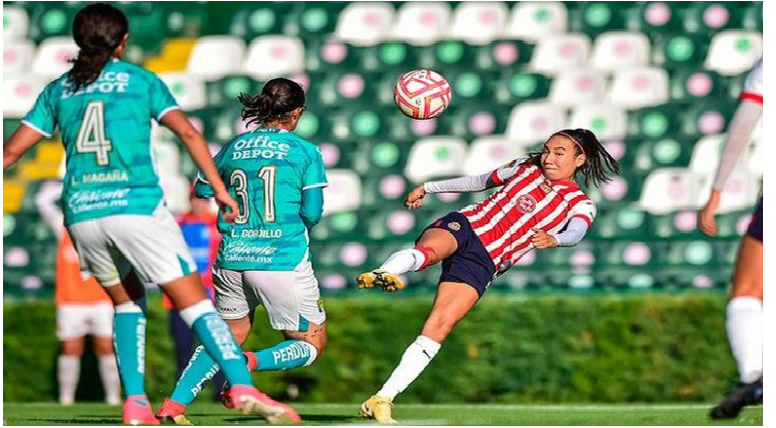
172, 411
226, 399
137, 411
247, 399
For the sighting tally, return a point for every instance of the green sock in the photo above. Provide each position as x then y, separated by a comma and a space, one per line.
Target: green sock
129, 333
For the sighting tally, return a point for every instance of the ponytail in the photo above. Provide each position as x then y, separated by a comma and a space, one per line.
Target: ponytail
98, 29
278, 98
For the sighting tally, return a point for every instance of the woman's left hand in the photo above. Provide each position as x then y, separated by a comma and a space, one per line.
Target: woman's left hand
541, 240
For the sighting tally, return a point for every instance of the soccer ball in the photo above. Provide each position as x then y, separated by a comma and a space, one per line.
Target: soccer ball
422, 94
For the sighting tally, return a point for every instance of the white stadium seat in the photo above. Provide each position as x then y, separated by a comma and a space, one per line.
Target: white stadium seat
188, 89
17, 57
422, 23
489, 153
478, 23
555, 54
607, 121
640, 87
533, 121
19, 95
667, 190
435, 157
274, 56
620, 50
533, 21
176, 190
733, 52
574, 87
365, 23
343, 192
214, 57
16, 23
52, 58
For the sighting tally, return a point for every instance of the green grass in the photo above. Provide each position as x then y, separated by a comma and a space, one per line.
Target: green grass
409, 414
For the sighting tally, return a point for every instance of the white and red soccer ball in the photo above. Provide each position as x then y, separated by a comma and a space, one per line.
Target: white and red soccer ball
422, 94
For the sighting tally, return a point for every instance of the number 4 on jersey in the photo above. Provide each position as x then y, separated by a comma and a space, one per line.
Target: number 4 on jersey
91, 135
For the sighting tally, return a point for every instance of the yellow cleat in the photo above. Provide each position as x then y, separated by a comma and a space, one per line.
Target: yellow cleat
379, 409
389, 282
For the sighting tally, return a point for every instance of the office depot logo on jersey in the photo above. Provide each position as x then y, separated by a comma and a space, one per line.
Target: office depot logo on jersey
107, 82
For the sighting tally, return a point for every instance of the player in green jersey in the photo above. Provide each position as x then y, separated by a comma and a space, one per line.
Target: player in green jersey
113, 205
264, 258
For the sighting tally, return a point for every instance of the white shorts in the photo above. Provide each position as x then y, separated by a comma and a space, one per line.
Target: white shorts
76, 321
110, 247
292, 298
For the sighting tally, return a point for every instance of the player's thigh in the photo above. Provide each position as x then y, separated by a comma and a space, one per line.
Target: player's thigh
748, 273
452, 303
234, 299
72, 322
154, 245
97, 254
292, 298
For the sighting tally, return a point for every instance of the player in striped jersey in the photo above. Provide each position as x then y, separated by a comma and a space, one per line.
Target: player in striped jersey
539, 205
745, 309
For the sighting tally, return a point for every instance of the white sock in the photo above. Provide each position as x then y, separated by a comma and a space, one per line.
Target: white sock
109, 373
415, 359
68, 370
745, 333
404, 261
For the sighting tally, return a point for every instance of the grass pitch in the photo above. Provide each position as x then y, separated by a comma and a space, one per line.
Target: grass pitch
407, 414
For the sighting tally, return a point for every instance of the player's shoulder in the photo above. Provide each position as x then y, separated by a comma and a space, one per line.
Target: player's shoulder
307, 147
135, 70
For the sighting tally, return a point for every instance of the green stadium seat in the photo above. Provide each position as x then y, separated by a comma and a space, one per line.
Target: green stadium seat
272, 56
365, 23
532, 122
627, 253
340, 89
314, 19
578, 87
691, 85
516, 86
474, 120
16, 23
314, 124
697, 252
654, 122
387, 188
555, 54
435, 157
594, 18
666, 152
342, 225
51, 20
259, 19
214, 57
422, 23
639, 87
533, 21
478, 23
753, 16
679, 51
394, 224
148, 24
471, 86
447, 56
710, 17
332, 56
654, 17
734, 52
607, 121
679, 224
617, 50
360, 122
389, 57
706, 118
625, 223
501, 54
343, 192
342, 155
52, 57
224, 91
19, 95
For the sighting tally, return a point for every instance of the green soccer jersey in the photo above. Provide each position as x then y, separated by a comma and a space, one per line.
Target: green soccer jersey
106, 130
266, 172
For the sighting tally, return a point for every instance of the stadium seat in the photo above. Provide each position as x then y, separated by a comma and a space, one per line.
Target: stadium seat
356, 122
666, 152
534, 121
225, 91
15, 23
710, 17
19, 95
488, 153
626, 223
313, 125
471, 86
753, 16
679, 51
393, 224
52, 57
343, 192
365, 23
435, 157
474, 120
555, 54
734, 52
389, 57
695, 252
653, 17
17, 57
345, 224
670, 189
188, 89
501, 54
577, 86
679, 224
618, 50
605, 120
691, 85
654, 122
422, 23
214, 57
331, 56
51, 20
259, 19
533, 21
448, 55
596, 17
314, 19
514, 87
478, 23
274, 56
385, 188
639, 87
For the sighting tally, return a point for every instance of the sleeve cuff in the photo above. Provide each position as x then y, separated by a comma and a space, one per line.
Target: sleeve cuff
36, 129
751, 96
585, 218
496, 179
312, 186
167, 110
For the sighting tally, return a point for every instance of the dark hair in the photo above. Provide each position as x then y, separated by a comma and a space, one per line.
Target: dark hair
98, 29
598, 166
278, 98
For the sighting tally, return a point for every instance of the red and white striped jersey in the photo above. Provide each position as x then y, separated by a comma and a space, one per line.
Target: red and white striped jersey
753, 86
526, 200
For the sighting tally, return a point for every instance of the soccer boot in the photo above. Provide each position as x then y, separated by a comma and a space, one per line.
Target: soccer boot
248, 399
389, 282
747, 394
226, 398
172, 412
379, 409
137, 411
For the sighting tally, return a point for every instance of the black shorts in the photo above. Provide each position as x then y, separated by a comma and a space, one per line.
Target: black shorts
756, 226
470, 264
